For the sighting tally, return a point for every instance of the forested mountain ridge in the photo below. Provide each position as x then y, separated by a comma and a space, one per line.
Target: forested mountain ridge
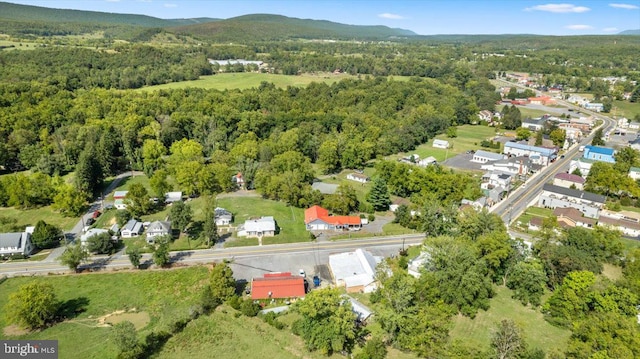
17, 12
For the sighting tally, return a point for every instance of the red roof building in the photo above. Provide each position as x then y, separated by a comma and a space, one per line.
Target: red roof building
569, 180
317, 218
277, 285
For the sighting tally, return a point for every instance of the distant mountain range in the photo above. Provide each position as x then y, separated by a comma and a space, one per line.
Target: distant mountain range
630, 32
248, 27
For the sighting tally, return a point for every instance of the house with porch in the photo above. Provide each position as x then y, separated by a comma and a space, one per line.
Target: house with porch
222, 216
358, 177
132, 228
258, 228
17, 244
158, 229
571, 217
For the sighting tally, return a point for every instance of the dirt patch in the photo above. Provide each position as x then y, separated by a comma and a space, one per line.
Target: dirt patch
139, 319
14, 331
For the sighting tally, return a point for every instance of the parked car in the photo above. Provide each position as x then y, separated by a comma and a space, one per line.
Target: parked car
96, 214
90, 221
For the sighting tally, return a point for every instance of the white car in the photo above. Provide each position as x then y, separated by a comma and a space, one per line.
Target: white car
302, 273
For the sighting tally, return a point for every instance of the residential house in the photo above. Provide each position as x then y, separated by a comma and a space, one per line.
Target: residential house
317, 218
120, 194
415, 266
158, 229
572, 132
325, 188
597, 153
15, 244
172, 197
571, 217
397, 203
628, 227
568, 180
581, 164
355, 271
535, 224
481, 156
588, 203
279, 285
520, 166
538, 155
594, 106
635, 144
441, 143
477, 205
634, 173
577, 100
119, 199
634, 125
495, 179
358, 177
534, 124
258, 228
361, 311
132, 228
238, 180
585, 121
222, 216
91, 233
485, 115
427, 161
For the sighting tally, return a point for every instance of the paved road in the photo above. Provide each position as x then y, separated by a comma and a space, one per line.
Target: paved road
277, 257
510, 208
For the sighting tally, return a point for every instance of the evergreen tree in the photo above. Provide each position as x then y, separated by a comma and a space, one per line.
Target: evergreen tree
89, 175
597, 138
378, 196
210, 227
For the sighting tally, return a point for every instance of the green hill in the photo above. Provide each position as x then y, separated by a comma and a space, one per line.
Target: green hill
275, 27
15, 12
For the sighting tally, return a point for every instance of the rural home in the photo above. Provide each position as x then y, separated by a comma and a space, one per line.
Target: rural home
635, 144
417, 264
520, 166
477, 205
481, 156
257, 228
441, 144
485, 115
538, 155
628, 227
222, 216
533, 124
567, 180
581, 164
238, 180
133, 228
597, 153
634, 173
358, 177
158, 229
171, 197
588, 203
119, 199
355, 271
279, 285
91, 233
120, 194
15, 244
571, 217
496, 179
396, 203
317, 218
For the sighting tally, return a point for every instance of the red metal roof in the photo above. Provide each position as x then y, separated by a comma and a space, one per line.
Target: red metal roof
279, 285
570, 177
317, 212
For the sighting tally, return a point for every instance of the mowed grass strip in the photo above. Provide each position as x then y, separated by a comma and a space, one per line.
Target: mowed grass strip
246, 80
30, 217
476, 333
164, 295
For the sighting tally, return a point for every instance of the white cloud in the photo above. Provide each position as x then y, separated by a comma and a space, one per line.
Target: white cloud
387, 15
170, 5
610, 29
578, 27
559, 8
625, 6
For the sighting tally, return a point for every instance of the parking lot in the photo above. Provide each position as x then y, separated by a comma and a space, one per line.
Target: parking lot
463, 161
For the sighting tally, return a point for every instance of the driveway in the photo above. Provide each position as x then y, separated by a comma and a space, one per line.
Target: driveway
463, 161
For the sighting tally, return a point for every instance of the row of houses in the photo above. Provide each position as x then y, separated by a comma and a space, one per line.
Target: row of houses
119, 198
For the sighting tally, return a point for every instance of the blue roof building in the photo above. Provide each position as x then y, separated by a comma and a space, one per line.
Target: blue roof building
538, 155
596, 153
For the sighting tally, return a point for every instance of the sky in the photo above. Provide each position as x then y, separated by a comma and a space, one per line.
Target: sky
424, 17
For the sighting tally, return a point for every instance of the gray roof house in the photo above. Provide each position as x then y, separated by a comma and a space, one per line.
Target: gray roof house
223, 217
258, 228
588, 203
133, 228
15, 244
158, 229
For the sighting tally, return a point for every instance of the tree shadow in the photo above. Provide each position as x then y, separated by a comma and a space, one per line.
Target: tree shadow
241, 286
146, 264
180, 256
72, 308
154, 342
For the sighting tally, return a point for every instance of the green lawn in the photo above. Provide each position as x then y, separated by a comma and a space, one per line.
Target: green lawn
476, 333
529, 213
625, 109
164, 295
361, 189
469, 138
289, 219
245, 80
32, 216
128, 181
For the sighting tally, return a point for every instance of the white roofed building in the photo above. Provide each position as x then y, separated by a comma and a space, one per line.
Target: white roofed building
354, 270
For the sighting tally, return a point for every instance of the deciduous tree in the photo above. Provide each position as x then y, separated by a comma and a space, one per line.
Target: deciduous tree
181, 215
74, 255
222, 283
507, 341
33, 306
137, 200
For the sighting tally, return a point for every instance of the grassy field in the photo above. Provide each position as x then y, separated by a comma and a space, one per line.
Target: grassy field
469, 138
245, 80
625, 109
531, 112
538, 333
32, 216
289, 219
361, 189
163, 295
523, 221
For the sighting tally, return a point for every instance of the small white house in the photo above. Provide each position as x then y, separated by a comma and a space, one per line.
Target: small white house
257, 228
171, 197
223, 217
481, 156
358, 177
15, 244
133, 228
92, 232
441, 144
158, 229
